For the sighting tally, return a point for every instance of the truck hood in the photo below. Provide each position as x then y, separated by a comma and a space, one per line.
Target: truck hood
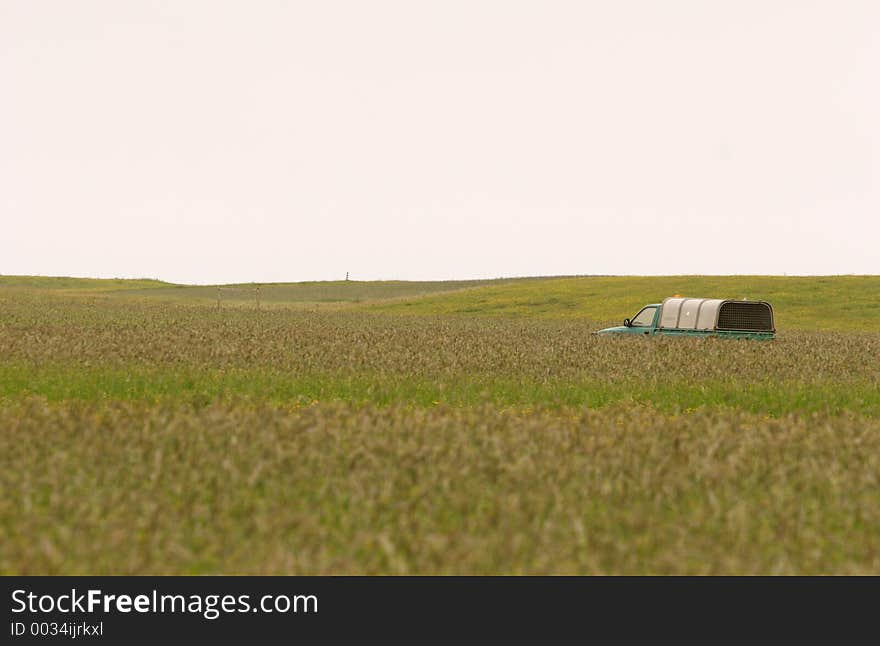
613, 330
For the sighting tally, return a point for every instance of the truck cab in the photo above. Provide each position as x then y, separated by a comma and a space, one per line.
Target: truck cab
644, 322
677, 316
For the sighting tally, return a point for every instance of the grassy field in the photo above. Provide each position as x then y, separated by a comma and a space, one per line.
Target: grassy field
833, 303
470, 427
801, 303
329, 292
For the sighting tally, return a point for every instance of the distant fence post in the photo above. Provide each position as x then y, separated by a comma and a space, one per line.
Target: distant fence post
257, 292
218, 298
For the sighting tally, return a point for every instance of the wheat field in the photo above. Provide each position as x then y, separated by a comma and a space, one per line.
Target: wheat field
466, 428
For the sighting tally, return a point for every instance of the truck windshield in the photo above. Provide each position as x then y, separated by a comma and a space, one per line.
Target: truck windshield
645, 318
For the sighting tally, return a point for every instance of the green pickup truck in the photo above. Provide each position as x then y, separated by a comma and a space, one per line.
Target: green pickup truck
677, 316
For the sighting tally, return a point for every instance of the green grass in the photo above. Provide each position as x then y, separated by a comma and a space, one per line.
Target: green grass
58, 383
435, 428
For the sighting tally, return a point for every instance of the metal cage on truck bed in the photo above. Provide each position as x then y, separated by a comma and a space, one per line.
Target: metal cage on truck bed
716, 314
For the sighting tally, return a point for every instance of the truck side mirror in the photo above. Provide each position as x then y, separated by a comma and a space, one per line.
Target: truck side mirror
627, 323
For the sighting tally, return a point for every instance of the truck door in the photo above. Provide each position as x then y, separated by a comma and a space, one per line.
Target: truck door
643, 322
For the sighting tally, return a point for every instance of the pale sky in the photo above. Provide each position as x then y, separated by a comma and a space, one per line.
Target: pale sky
204, 141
